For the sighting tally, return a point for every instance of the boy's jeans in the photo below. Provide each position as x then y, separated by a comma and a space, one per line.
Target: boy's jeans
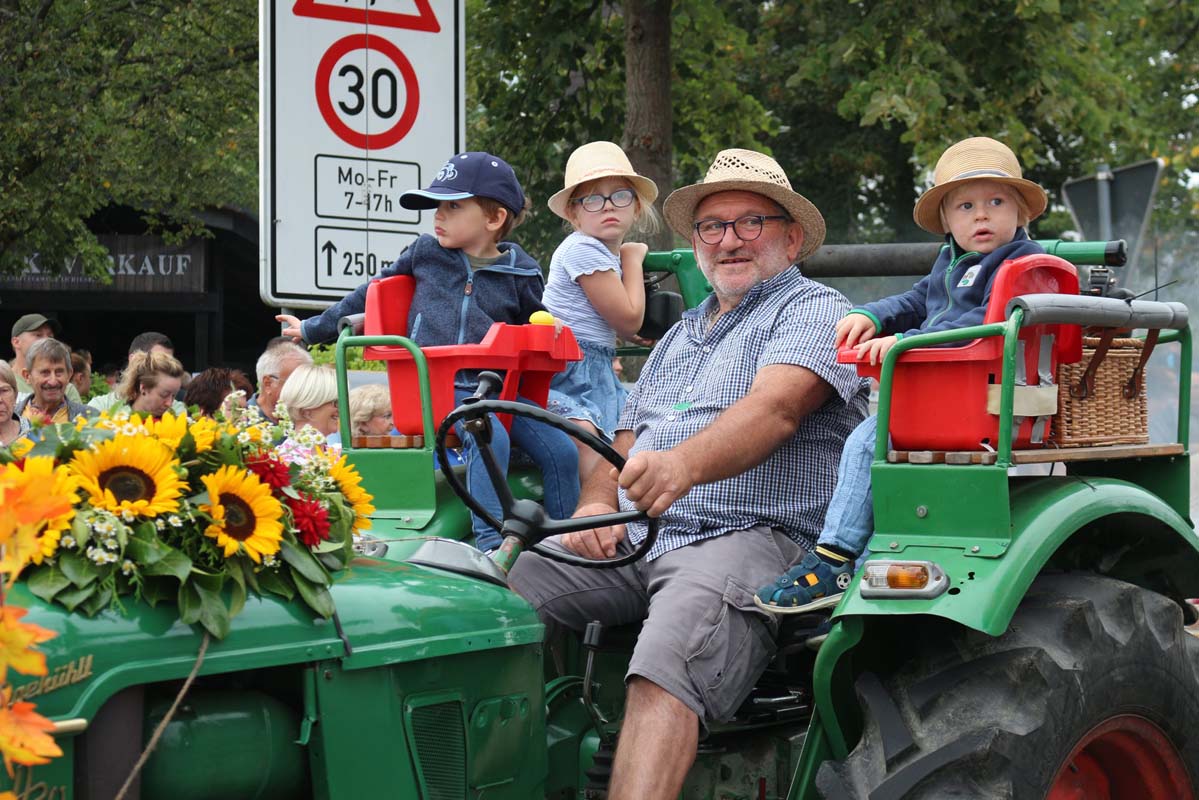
552, 450
849, 521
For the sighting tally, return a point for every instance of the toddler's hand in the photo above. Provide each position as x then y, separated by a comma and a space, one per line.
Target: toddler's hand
634, 250
875, 349
853, 329
291, 327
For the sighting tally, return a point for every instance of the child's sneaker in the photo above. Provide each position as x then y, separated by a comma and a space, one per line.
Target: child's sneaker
811, 584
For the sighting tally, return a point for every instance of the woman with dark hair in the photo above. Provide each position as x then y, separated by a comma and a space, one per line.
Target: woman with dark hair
211, 390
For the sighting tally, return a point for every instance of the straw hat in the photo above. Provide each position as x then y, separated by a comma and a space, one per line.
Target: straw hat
978, 158
747, 171
596, 160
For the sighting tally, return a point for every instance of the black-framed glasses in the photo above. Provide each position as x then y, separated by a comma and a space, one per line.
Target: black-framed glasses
747, 228
621, 198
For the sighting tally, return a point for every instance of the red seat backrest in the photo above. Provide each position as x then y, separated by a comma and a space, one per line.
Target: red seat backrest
387, 304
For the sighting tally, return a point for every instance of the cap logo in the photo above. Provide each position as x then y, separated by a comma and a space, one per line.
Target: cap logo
447, 172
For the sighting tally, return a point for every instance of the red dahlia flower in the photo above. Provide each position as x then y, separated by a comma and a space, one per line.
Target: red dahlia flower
311, 518
269, 470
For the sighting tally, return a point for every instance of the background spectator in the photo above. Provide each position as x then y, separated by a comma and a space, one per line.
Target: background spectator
310, 395
211, 390
274, 367
149, 383
81, 374
49, 373
144, 342
370, 410
12, 425
25, 331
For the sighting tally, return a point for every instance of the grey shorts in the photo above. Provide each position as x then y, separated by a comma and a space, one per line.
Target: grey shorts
702, 638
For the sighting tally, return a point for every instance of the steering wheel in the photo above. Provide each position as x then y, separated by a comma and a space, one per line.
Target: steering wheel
525, 519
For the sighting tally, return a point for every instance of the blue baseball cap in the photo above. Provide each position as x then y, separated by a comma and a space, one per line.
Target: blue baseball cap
465, 175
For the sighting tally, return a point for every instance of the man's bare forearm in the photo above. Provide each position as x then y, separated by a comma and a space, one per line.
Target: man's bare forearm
599, 486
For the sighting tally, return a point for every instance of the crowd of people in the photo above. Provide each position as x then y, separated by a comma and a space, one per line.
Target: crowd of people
735, 434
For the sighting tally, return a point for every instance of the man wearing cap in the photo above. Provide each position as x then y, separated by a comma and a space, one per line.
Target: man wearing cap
25, 331
733, 434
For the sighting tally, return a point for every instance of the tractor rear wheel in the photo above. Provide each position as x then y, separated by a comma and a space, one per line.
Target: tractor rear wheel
1092, 692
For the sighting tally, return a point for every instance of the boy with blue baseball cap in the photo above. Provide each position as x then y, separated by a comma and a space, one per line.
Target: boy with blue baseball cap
467, 278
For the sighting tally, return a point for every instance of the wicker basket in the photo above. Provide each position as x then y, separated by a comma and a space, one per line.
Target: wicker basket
1106, 416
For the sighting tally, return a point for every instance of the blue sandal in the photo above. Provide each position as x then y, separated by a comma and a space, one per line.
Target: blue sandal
811, 584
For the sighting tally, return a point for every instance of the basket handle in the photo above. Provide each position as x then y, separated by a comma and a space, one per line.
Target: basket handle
1086, 384
1133, 387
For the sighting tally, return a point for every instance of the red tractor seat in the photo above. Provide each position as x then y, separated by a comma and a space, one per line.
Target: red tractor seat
528, 355
947, 398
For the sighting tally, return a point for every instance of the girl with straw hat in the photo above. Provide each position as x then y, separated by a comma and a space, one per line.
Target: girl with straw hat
981, 203
595, 282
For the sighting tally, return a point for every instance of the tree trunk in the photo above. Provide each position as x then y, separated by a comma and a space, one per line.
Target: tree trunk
648, 114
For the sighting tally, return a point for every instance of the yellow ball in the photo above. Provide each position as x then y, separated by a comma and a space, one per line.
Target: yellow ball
541, 318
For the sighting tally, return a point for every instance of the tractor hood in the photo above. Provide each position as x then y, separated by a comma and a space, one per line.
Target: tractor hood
389, 612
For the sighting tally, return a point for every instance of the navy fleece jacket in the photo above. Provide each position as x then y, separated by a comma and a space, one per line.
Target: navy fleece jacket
954, 295
451, 304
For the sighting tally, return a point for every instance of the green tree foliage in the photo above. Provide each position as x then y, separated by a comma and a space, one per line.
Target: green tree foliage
856, 99
140, 103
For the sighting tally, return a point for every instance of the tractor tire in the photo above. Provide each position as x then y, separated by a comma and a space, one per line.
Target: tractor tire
1092, 692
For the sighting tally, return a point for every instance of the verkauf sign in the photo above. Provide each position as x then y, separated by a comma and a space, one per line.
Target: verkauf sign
361, 100
136, 264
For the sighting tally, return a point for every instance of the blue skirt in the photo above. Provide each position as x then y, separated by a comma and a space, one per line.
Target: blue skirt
589, 389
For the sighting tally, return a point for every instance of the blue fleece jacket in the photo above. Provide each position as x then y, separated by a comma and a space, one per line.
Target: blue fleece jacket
954, 295
451, 303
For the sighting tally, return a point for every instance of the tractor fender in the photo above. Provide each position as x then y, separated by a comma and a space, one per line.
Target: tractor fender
1047, 515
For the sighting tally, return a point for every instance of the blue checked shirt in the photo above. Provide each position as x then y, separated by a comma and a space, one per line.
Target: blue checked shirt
694, 374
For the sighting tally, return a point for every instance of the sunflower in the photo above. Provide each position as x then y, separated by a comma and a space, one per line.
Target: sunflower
167, 429
349, 482
244, 514
130, 473
204, 431
50, 481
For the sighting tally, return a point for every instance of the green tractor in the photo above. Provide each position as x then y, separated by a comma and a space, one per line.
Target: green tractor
1018, 629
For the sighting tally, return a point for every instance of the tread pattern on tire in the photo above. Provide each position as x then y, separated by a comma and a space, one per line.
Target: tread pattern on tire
979, 717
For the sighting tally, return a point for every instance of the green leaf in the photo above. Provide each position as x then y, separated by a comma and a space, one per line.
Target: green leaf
237, 598
189, 603
46, 581
315, 595
277, 582
143, 552
214, 616
290, 492
172, 563
97, 602
78, 569
72, 598
302, 561
158, 589
334, 561
81, 530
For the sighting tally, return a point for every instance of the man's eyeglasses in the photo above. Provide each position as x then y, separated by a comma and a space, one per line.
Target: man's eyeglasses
621, 198
747, 228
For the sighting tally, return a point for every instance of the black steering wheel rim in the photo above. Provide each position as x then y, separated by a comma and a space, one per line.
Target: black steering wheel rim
480, 408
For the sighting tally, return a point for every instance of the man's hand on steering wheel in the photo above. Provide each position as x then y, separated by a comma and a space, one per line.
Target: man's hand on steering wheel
653, 480
597, 542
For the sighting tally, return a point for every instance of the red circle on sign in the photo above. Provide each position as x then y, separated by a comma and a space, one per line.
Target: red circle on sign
324, 73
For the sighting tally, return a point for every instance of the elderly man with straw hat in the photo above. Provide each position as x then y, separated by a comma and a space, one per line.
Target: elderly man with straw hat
732, 435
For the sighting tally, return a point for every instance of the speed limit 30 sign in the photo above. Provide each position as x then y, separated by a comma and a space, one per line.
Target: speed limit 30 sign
361, 100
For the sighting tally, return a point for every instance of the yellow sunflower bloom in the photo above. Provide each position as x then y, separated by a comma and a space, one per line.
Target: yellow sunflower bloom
349, 482
168, 429
245, 515
204, 431
50, 481
130, 473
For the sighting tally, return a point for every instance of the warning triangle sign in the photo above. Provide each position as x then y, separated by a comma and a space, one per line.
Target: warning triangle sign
421, 18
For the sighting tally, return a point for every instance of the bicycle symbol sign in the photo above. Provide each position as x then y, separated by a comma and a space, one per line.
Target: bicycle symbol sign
367, 91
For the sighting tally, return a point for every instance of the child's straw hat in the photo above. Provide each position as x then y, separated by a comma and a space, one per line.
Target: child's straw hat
978, 158
596, 160
746, 171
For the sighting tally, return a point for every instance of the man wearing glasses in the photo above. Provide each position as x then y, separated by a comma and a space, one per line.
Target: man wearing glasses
733, 434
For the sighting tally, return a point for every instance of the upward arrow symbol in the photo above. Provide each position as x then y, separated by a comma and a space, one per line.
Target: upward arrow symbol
328, 248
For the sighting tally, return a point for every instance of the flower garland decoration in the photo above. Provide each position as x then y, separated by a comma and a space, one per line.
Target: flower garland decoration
198, 512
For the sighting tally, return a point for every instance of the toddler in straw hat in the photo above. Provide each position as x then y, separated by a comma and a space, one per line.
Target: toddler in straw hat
981, 204
595, 281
